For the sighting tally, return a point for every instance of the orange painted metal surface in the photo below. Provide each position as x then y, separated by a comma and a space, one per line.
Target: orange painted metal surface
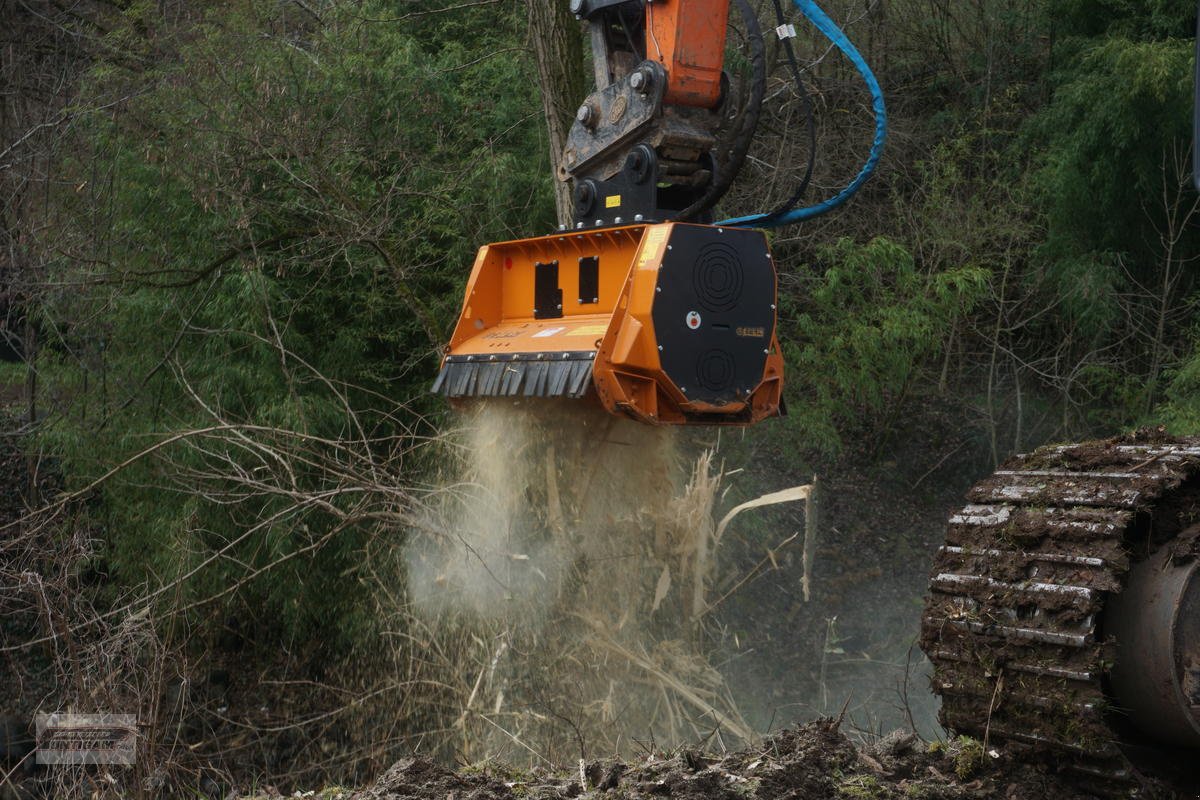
629, 376
498, 325
498, 314
688, 38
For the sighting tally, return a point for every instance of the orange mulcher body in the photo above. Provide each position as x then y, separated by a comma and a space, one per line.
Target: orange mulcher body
667, 323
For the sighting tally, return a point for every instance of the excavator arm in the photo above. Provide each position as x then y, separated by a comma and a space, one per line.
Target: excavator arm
643, 146
686, 37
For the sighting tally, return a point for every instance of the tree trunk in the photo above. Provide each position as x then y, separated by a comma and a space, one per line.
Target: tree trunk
558, 45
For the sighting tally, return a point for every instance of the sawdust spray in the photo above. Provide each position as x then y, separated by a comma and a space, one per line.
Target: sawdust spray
574, 546
539, 495
567, 565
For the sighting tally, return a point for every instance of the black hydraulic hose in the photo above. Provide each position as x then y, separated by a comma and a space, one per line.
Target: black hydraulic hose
837, 37
742, 134
638, 51
811, 123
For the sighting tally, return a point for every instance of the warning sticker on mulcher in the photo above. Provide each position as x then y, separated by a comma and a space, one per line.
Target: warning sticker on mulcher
589, 330
652, 244
546, 334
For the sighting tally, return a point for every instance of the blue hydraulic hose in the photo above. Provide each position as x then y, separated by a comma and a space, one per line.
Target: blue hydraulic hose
828, 27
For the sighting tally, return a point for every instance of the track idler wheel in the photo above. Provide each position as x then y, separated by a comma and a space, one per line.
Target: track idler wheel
1155, 623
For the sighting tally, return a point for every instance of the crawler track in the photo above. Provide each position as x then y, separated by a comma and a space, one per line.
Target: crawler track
1015, 622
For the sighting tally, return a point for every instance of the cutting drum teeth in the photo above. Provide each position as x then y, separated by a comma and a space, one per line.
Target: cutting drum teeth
522, 375
1015, 621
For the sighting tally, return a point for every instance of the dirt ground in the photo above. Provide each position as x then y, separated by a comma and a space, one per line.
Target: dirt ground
812, 762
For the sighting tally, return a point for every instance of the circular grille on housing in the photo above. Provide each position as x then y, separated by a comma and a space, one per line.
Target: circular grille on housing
715, 370
717, 277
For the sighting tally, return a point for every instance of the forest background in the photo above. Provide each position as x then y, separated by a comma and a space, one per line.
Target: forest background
233, 237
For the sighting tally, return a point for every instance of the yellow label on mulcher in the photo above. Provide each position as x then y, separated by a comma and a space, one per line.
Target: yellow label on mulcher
612, 201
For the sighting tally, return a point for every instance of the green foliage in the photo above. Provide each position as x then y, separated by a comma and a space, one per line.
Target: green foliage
1114, 144
1114, 132
273, 217
969, 757
13, 373
967, 754
1181, 411
861, 329
861, 787
290, 210
1140, 19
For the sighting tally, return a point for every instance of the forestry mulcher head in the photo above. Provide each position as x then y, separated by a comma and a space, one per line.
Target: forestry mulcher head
668, 323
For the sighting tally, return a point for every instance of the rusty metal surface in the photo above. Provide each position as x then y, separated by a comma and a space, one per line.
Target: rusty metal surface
1015, 621
619, 114
620, 117
1154, 643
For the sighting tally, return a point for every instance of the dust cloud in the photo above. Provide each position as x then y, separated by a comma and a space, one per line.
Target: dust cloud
574, 548
573, 568
541, 498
